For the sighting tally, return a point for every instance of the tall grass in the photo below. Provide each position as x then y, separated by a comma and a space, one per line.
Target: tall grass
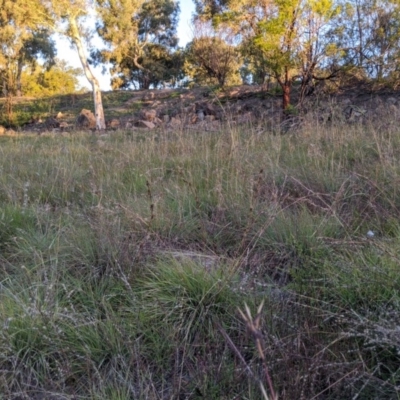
124, 260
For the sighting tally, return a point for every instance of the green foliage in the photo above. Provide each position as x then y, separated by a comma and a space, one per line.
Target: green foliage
374, 26
14, 220
160, 67
59, 79
142, 45
291, 110
211, 61
22, 41
283, 39
199, 295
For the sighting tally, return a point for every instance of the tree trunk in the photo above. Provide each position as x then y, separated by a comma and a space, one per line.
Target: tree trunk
286, 95
145, 83
221, 79
307, 85
18, 78
360, 37
4, 85
285, 84
98, 104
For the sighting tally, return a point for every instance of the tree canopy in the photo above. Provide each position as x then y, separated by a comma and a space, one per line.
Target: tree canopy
60, 78
141, 39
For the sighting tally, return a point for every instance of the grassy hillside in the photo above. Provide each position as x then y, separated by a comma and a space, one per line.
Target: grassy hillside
124, 261
26, 109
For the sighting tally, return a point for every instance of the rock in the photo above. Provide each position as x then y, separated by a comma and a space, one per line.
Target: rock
210, 109
149, 115
157, 121
86, 119
113, 124
145, 124
354, 112
175, 122
234, 92
36, 120
209, 118
51, 123
192, 118
2, 130
64, 125
268, 105
189, 109
166, 118
200, 115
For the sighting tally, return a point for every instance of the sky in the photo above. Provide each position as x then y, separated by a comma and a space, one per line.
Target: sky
68, 53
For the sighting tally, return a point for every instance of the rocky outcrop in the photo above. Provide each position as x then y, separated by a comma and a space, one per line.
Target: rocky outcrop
145, 124
51, 123
149, 115
86, 120
354, 113
201, 109
64, 125
114, 124
175, 122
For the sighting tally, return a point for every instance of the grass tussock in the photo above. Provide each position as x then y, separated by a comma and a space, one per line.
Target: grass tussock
125, 259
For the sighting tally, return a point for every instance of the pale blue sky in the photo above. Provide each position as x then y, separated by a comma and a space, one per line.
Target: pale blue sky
184, 28
184, 33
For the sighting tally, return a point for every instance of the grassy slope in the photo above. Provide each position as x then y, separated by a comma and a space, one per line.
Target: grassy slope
24, 109
124, 260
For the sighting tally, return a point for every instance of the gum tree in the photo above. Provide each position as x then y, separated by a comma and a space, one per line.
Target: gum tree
212, 57
21, 43
141, 37
289, 34
67, 17
369, 34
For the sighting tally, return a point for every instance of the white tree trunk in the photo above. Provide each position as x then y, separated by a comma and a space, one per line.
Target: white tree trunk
98, 104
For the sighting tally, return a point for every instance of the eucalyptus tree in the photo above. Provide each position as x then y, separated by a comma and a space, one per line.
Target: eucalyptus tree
67, 17
141, 38
39, 45
21, 43
287, 34
369, 34
60, 78
212, 56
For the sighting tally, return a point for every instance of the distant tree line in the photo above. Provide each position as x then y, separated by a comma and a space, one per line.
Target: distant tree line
307, 41
234, 41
